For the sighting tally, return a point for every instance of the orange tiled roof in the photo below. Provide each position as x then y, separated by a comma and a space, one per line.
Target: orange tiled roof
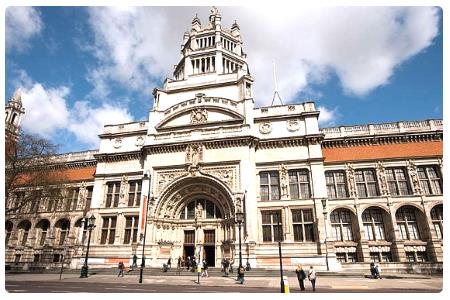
429, 148
66, 175
80, 174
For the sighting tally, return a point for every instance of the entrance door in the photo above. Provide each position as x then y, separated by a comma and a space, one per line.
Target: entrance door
189, 243
209, 247
210, 255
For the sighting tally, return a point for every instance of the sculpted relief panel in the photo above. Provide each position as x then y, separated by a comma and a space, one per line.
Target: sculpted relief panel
227, 175
164, 178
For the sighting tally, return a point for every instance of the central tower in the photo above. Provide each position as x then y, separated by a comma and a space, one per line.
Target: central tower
212, 62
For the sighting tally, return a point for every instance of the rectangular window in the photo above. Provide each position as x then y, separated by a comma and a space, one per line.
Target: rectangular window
341, 257
134, 193
272, 226
422, 256
336, 184
397, 181
131, 229
303, 223
375, 256
108, 230
189, 237
112, 194
269, 186
410, 256
366, 183
209, 237
299, 184
72, 199
89, 197
429, 180
37, 258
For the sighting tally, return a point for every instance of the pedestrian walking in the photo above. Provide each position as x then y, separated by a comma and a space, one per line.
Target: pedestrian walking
248, 267
377, 271
241, 274
373, 272
169, 263
188, 263
121, 267
205, 268
312, 277
179, 265
134, 261
226, 265
301, 276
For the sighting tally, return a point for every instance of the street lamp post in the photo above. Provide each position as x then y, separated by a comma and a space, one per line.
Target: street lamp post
239, 220
325, 217
279, 252
146, 177
90, 227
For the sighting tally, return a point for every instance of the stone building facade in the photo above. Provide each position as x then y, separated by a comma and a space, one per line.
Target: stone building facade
336, 197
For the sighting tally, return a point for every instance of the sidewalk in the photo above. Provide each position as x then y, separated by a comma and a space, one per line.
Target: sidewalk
335, 283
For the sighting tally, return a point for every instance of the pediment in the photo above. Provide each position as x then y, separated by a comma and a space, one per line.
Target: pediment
200, 115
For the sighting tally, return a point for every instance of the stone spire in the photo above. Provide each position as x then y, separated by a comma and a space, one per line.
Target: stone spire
196, 24
14, 113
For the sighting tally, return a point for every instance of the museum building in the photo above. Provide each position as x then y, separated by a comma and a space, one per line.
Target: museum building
336, 198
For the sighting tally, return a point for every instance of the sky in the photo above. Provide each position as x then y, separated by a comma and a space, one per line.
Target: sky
80, 68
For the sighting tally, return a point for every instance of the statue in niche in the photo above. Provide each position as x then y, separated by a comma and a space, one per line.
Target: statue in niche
123, 186
412, 169
351, 179
199, 211
382, 178
284, 182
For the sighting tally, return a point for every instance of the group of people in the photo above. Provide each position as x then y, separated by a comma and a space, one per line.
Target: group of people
301, 276
121, 266
375, 271
227, 266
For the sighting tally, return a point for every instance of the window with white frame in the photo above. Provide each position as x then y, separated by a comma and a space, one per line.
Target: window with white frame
299, 184
303, 224
336, 184
373, 224
407, 223
134, 193
112, 194
438, 220
108, 230
430, 182
269, 185
341, 225
272, 226
131, 229
397, 181
366, 183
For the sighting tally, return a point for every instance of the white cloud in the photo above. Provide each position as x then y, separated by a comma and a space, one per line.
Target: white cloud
87, 122
22, 23
363, 46
47, 112
328, 117
45, 109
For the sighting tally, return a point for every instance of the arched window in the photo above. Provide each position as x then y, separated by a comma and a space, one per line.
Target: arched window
63, 227
79, 226
8, 228
42, 229
373, 224
341, 225
24, 230
438, 220
210, 210
407, 223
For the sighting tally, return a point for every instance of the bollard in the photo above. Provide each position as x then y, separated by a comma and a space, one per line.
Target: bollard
199, 269
286, 285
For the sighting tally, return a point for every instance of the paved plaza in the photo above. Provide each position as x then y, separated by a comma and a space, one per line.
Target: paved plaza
48, 283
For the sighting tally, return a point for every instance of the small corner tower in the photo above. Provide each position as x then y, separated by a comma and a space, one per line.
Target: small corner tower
14, 113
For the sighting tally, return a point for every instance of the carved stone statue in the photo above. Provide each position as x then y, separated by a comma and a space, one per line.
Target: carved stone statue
412, 170
82, 196
381, 174
199, 211
284, 181
351, 180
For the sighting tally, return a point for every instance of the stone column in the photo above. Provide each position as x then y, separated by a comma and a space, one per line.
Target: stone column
363, 244
398, 245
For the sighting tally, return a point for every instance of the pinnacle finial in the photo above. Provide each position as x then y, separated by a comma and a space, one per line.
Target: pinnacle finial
17, 97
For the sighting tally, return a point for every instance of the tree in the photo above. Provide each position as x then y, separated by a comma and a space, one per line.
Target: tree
32, 173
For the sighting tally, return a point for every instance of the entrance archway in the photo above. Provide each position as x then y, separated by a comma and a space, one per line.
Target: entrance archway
195, 215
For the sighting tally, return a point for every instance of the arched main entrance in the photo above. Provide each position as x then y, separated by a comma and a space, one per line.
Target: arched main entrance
195, 217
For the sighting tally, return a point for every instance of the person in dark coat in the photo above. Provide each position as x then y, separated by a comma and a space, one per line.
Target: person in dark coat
301, 276
134, 261
241, 275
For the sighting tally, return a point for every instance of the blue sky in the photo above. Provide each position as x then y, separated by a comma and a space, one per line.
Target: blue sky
80, 68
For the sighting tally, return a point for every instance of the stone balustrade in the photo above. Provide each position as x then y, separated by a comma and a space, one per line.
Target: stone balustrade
382, 128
